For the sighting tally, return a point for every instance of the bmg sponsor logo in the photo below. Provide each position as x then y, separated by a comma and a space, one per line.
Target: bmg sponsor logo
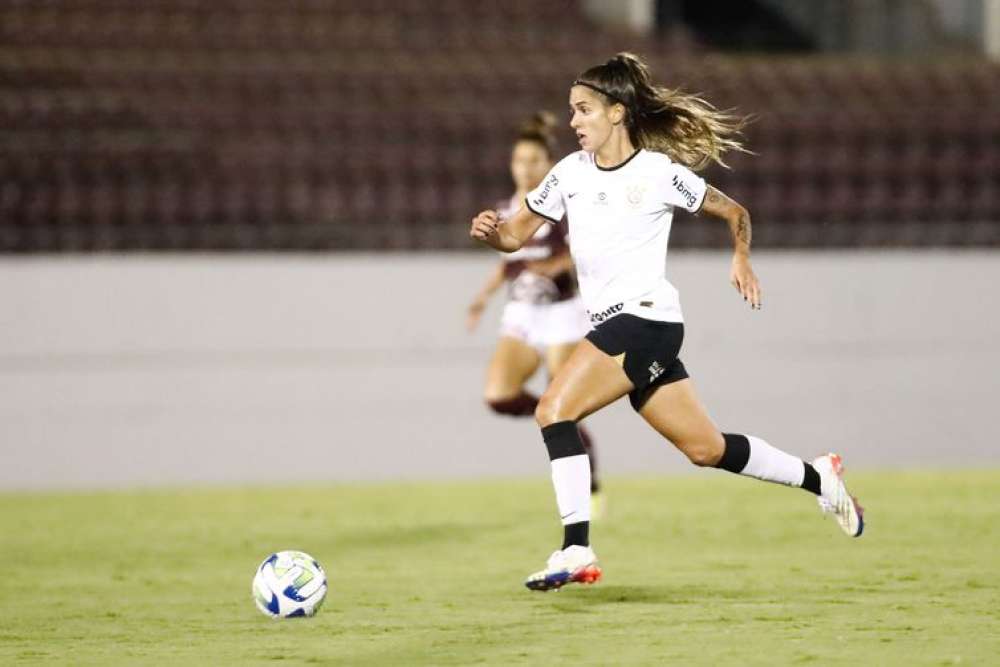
550, 183
611, 311
685, 192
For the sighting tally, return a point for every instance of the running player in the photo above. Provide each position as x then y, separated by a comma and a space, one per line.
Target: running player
640, 144
544, 318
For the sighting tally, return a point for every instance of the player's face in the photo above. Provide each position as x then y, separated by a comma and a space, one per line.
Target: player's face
529, 163
591, 118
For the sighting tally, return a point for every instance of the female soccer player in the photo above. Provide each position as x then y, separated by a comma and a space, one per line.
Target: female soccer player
640, 144
544, 315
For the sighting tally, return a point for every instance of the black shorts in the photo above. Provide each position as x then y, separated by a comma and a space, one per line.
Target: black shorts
650, 348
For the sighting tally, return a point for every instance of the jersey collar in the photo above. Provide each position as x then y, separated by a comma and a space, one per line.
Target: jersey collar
619, 165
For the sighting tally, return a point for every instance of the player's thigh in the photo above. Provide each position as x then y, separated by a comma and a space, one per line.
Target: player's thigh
677, 414
585, 383
557, 355
512, 364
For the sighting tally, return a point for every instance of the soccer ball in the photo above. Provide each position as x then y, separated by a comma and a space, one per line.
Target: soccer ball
289, 584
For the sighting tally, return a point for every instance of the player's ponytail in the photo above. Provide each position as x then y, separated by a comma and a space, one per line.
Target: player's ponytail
684, 126
540, 129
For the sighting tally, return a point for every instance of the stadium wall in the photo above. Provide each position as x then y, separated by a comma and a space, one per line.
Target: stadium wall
162, 370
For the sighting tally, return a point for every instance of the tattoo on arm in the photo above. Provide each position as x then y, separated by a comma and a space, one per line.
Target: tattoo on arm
737, 217
743, 230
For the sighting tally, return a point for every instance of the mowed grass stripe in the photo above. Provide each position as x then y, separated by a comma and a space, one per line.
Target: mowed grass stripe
701, 569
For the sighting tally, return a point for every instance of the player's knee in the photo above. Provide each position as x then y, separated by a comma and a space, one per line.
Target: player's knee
705, 453
551, 409
545, 411
496, 396
494, 400
493, 394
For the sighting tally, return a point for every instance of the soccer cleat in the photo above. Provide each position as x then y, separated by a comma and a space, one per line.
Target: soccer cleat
835, 499
572, 565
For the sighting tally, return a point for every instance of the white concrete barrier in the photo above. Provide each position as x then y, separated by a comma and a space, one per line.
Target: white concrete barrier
164, 369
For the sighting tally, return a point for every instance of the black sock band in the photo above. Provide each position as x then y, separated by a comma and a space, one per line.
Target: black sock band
737, 453
562, 439
576, 533
810, 482
522, 405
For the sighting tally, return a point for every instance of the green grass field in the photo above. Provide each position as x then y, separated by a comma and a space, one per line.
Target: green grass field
702, 569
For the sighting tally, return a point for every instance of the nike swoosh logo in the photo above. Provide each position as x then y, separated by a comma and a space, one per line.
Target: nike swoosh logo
563, 516
570, 196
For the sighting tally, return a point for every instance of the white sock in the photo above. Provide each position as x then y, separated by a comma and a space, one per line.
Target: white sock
571, 479
773, 465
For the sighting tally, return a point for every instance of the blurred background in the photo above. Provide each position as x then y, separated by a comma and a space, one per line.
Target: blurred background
235, 231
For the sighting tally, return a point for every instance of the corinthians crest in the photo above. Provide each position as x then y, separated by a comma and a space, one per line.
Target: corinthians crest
634, 195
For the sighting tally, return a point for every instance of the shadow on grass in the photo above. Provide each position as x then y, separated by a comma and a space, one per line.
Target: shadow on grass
652, 594
400, 536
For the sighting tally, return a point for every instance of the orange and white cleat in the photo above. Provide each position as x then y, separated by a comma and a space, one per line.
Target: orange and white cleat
572, 565
835, 499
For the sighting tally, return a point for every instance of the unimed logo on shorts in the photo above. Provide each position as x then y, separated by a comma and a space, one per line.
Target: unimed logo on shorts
607, 312
550, 183
685, 192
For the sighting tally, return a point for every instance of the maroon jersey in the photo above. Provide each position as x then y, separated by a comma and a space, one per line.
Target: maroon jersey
549, 241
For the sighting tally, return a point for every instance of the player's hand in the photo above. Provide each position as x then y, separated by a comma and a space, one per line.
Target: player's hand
476, 309
484, 226
741, 276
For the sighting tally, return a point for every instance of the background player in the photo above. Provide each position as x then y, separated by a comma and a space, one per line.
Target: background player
544, 318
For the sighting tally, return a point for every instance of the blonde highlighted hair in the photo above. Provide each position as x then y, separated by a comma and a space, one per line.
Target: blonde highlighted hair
683, 126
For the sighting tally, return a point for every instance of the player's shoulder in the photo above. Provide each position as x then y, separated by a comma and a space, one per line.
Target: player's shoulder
573, 161
660, 164
655, 159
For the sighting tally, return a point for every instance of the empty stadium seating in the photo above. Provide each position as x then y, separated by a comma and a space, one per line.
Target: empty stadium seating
340, 124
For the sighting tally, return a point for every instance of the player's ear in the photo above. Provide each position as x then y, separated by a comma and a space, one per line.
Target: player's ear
617, 113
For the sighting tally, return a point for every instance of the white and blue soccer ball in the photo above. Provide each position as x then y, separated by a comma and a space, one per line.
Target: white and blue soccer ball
289, 584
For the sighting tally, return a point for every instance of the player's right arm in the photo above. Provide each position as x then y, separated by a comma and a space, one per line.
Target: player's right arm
478, 304
507, 235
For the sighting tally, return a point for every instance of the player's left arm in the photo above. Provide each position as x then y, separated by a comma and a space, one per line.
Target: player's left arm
741, 275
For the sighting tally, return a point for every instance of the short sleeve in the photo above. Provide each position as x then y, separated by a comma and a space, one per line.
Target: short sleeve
685, 188
547, 200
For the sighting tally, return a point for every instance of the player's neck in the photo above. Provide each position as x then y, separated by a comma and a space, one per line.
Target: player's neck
520, 195
615, 150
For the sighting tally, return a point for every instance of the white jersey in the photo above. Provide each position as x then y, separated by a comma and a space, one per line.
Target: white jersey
619, 225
